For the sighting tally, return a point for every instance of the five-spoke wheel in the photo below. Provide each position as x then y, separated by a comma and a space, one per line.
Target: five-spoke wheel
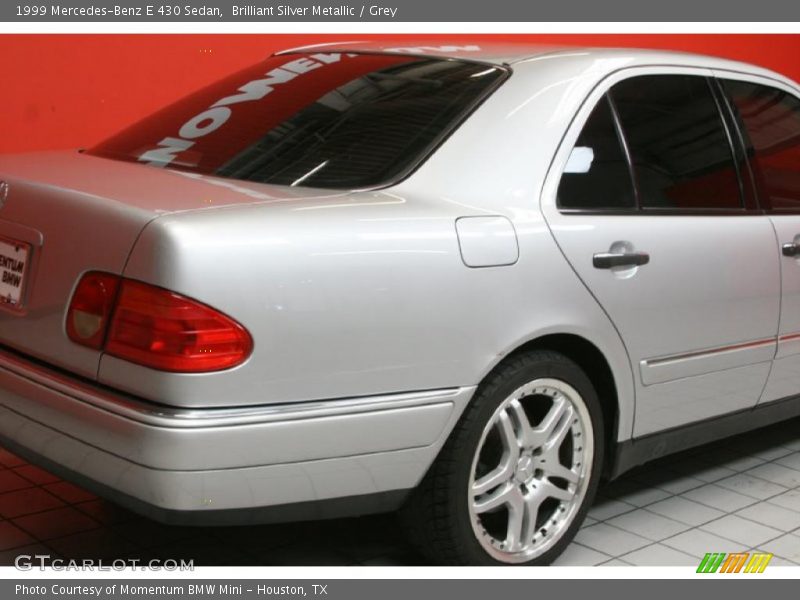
519, 471
529, 471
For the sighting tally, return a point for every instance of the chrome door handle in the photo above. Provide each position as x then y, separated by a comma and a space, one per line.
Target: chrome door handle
609, 260
790, 249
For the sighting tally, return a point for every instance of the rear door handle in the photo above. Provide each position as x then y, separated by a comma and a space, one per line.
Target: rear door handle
609, 260
790, 249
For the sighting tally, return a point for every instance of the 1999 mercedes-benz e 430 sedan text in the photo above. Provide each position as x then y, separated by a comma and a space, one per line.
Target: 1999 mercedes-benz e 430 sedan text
466, 282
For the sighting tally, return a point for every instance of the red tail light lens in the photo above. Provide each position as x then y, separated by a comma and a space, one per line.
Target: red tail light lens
163, 330
90, 309
166, 331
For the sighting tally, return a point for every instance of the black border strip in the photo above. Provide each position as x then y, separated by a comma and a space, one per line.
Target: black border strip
635, 452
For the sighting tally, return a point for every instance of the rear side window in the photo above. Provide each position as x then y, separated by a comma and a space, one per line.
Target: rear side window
597, 175
680, 149
340, 121
771, 120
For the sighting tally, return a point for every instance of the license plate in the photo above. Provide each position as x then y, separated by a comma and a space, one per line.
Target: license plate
14, 258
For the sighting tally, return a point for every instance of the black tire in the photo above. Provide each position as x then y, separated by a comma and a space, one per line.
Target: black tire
436, 516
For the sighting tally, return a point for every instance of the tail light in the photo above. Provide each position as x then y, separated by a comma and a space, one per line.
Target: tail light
154, 327
90, 309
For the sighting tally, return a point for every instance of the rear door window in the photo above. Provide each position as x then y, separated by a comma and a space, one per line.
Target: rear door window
680, 148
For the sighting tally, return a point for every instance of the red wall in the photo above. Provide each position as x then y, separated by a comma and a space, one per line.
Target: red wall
63, 91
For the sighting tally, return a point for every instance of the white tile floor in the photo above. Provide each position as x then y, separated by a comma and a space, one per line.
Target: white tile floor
738, 495
741, 494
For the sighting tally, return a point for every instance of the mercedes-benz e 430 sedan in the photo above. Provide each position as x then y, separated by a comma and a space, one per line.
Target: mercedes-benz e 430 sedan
466, 282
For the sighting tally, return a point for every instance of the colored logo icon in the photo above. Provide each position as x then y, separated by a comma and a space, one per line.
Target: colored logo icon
739, 562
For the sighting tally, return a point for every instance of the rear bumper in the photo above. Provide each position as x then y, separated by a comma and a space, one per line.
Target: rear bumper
301, 460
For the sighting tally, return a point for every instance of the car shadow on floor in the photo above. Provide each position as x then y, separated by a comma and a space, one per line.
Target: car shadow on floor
40, 514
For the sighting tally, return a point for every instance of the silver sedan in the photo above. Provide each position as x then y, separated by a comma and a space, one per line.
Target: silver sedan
464, 282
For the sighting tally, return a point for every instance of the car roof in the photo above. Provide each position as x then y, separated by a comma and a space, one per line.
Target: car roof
496, 53
512, 53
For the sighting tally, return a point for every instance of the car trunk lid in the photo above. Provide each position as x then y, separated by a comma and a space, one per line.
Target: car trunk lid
63, 214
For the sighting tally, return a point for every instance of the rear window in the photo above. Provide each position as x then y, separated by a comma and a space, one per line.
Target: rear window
329, 120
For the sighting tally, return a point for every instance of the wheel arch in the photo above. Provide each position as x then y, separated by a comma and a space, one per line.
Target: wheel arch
588, 356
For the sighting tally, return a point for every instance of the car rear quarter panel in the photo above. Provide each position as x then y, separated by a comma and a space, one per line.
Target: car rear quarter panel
369, 294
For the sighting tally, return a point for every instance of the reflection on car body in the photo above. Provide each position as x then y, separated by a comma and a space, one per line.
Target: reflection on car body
465, 282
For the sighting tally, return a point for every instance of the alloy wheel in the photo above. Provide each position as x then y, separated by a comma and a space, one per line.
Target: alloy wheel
530, 471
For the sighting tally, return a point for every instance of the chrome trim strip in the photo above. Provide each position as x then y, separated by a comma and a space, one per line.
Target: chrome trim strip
652, 362
165, 416
705, 362
788, 345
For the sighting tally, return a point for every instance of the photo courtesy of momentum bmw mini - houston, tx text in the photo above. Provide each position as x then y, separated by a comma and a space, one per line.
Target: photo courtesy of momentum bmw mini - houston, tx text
462, 281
